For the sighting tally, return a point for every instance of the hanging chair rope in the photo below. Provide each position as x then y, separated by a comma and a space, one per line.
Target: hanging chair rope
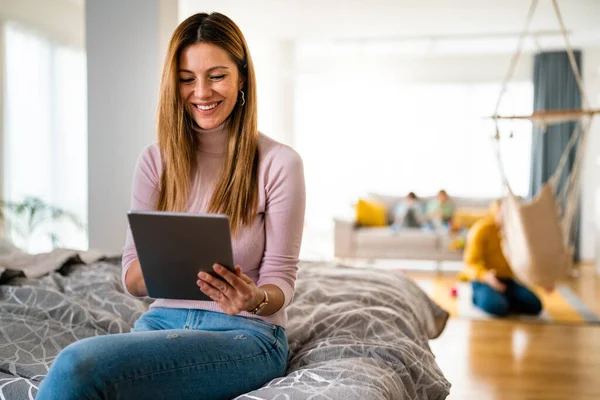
577, 135
516, 55
562, 162
539, 234
504, 88
573, 190
574, 186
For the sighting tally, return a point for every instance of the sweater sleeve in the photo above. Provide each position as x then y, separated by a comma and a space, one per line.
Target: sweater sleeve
284, 221
144, 197
474, 257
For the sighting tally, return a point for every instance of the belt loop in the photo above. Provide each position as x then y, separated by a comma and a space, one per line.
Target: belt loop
189, 319
197, 318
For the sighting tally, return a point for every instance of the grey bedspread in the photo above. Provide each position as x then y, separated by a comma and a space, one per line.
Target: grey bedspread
353, 333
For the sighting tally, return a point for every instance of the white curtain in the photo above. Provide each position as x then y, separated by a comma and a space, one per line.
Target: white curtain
45, 132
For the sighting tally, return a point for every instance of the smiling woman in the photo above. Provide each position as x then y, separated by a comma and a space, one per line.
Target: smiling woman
210, 158
209, 83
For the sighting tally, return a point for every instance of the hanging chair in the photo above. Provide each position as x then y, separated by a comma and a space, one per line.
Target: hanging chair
537, 235
533, 240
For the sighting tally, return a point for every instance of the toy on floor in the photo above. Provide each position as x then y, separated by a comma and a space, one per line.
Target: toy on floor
454, 291
457, 244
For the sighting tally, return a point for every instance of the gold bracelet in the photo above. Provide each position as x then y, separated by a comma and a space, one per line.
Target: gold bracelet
260, 305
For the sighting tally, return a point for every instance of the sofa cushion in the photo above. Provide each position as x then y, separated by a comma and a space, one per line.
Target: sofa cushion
465, 217
371, 213
390, 203
383, 237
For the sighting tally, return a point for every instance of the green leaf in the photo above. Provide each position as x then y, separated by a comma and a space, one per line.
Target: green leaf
23, 218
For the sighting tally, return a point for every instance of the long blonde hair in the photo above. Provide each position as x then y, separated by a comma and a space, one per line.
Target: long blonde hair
236, 192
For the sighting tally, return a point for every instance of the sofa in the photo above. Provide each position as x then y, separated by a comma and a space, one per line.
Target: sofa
351, 240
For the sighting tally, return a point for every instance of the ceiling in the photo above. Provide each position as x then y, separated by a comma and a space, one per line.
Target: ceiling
482, 24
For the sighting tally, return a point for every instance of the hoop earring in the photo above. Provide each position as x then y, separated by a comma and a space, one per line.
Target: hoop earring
243, 98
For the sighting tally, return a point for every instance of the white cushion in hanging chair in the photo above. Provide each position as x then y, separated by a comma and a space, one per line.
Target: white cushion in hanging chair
533, 241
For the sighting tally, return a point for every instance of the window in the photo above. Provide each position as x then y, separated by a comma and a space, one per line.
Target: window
368, 132
45, 132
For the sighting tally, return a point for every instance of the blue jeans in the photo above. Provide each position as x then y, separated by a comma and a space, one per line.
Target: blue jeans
171, 354
516, 299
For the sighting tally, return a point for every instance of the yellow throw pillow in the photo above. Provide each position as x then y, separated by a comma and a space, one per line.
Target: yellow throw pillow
371, 213
466, 217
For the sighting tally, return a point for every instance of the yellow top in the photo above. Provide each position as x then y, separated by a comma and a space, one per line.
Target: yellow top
483, 251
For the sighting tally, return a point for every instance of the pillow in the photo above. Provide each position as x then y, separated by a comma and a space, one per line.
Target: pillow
371, 213
466, 217
389, 201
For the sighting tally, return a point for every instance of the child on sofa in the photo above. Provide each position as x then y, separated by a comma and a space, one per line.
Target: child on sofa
440, 210
408, 213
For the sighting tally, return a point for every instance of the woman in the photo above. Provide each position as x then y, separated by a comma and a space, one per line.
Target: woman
495, 289
210, 157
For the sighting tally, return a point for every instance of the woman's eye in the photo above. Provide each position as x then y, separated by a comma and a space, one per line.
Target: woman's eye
217, 77
186, 80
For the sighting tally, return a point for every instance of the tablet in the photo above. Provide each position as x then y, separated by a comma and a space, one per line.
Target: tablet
173, 247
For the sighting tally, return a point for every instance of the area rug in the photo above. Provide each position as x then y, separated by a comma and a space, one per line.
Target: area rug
561, 306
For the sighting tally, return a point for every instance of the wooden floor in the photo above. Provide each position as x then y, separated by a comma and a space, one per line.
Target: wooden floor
504, 359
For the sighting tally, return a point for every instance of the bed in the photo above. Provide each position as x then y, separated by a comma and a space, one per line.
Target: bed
354, 333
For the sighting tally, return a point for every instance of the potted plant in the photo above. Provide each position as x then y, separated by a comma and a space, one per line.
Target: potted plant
25, 219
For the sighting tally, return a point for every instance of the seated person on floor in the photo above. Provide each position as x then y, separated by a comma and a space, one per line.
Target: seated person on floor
440, 210
494, 288
408, 213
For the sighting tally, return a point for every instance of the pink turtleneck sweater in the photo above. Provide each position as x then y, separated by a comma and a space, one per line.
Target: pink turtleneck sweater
268, 249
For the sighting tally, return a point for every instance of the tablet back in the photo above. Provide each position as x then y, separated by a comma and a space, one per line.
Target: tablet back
173, 247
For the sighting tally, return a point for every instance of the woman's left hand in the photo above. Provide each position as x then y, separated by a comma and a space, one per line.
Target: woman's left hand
235, 293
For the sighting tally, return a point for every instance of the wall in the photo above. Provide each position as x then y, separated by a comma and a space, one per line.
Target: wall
124, 44
274, 66
590, 218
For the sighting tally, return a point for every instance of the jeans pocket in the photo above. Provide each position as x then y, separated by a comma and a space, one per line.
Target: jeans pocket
271, 326
282, 340
144, 323
159, 318
267, 330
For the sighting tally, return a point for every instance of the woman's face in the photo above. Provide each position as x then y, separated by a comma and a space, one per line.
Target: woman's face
209, 83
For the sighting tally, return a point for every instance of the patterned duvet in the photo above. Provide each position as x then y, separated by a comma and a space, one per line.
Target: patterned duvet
353, 333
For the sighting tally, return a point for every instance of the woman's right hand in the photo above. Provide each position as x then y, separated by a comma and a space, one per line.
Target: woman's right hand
491, 279
134, 280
